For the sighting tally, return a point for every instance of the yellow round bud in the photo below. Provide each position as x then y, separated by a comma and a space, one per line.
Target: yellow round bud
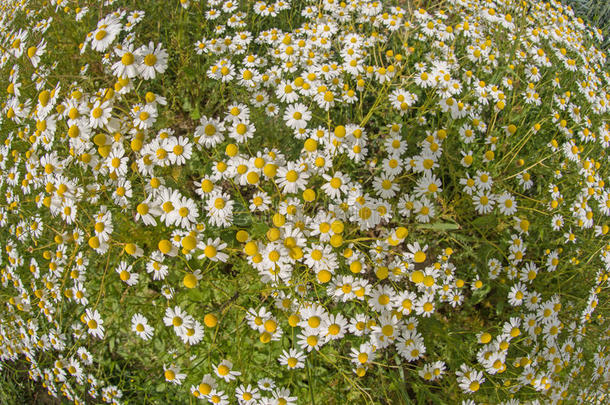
485, 338
265, 337
190, 281
417, 277
189, 243
210, 320
293, 320
270, 170
251, 248
231, 150
165, 246
242, 236
419, 257
273, 234
336, 240
324, 276
311, 145
279, 220
340, 131
94, 242
130, 248
309, 195
252, 178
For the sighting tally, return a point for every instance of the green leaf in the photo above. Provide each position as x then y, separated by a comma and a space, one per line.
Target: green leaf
242, 215
195, 294
186, 105
500, 307
195, 114
485, 222
159, 345
259, 229
228, 235
440, 226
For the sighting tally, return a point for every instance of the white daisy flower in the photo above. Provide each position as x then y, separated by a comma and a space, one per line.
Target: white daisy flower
151, 60
139, 325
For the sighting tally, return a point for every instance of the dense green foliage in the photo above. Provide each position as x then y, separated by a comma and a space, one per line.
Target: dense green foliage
596, 13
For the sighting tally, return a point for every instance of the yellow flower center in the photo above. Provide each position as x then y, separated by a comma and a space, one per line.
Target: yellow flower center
210, 130
419, 257
210, 251
101, 34
241, 129
150, 60
127, 59
292, 176
314, 321
312, 340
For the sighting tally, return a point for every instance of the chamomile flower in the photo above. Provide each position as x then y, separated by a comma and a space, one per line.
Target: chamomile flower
410, 345
220, 209
94, 323
557, 222
334, 327
224, 370
99, 115
35, 52
424, 210
296, 116
385, 186
184, 214
247, 395
144, 116
309, 340
175, 317
381, 299
241, 131
336, 185
525, 180
139, 325
179, 150
507, 204
152, 60
292, 359
107, 30
213, 250
173, 374
192, 333
209, 133
146, 211
117, 161
292, 178
126, 66
126, 275
428, 185
260, 201
484, 202
469, 380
